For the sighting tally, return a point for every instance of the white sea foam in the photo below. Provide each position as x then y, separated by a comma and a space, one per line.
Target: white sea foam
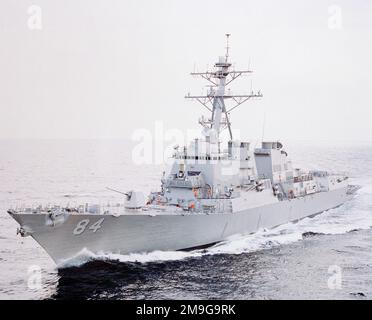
85, 256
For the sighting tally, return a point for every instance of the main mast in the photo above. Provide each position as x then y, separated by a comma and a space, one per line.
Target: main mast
215, 99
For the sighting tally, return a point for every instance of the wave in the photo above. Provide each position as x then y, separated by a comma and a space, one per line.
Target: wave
86, 256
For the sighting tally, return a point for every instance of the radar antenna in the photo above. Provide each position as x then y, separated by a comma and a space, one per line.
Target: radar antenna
214, 100
227, 46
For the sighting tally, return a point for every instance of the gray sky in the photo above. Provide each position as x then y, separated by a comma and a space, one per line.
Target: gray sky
101, 69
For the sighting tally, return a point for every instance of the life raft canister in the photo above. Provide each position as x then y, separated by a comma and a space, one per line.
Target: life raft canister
196, 192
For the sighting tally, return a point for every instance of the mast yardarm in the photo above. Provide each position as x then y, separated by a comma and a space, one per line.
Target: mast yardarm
214, 101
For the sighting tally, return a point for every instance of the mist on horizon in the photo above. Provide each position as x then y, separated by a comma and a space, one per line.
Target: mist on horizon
99, 70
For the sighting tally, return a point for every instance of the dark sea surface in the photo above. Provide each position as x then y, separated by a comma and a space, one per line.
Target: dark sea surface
325, 257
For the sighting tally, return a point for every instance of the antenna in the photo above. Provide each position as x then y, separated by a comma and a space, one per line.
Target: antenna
214, 101
263, 127
227, 46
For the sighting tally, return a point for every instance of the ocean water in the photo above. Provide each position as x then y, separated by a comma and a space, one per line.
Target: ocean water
325, 257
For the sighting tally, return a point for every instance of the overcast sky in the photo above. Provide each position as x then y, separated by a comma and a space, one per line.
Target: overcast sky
101, 69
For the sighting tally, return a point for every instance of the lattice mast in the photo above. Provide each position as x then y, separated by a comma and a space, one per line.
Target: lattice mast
214, 100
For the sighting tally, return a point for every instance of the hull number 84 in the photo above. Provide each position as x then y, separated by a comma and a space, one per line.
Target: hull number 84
83, 225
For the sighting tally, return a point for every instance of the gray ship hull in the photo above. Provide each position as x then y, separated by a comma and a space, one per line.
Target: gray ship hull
146, 232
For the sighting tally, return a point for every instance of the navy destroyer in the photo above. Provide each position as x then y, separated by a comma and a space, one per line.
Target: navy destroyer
210, 192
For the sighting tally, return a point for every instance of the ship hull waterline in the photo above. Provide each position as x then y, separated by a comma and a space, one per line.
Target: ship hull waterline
141, 233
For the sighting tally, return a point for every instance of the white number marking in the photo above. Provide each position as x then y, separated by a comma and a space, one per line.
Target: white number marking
96, 225
82, 225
